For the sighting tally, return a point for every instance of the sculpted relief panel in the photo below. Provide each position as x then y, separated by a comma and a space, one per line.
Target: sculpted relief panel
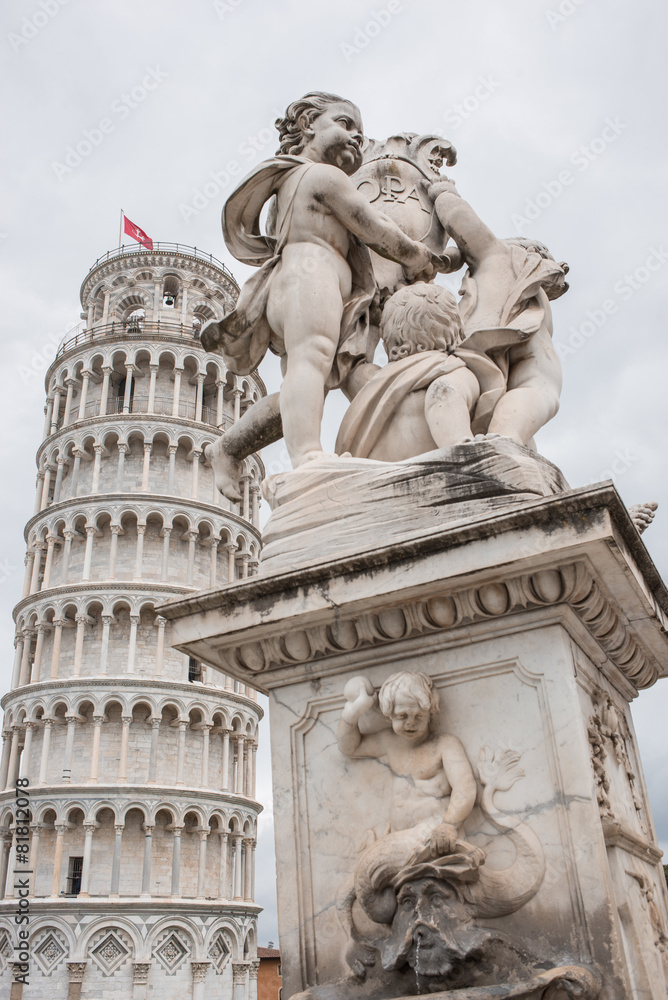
426, 839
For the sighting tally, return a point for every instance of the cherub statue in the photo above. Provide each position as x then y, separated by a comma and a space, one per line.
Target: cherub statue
309, 301
434, 788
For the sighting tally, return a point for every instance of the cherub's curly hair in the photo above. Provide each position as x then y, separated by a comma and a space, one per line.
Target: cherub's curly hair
418, 686
310, 106
420, 317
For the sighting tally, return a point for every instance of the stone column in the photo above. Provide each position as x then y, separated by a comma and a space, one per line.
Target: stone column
213, 566
91, 531
85, 376
58, 625
95, 750
127, 398
4, 762
249, 867
61, 462
204, 778
35, 829
30, 728
255, 506
55, 413
220, 385
50, 543
125, 736
253, 785
223, 880
116, 530
58, 858
13, 757
141, 531
69, 748
122, 451
97, 464
4, 863
89, 829
146, 864
29, 563
237, 394
244, 557
46, 742
81, 621
192, 537
241, 747
104, 646
10, 891
183, 725
199, 976
199, 397
28, 636
68, 536
253, 969
172, 449
239, 981
134, 622
194, 490
48, 410
153, 754
39, 489
245, 502
201, 870
104, 394
164, 569
38, 548
140, 971
145, 469
160, 646
226, 760
48, 469
42, 628
176, 861
177, 392
77, 971
116, 860
74, 485
151, 389
105, 307
238, 838
231, 548
18, 656
70, 383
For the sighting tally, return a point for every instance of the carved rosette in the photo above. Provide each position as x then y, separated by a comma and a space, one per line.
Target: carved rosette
571, 584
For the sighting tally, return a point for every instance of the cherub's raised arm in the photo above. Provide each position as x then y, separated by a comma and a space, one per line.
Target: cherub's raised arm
461, 223
361, 697
372, 227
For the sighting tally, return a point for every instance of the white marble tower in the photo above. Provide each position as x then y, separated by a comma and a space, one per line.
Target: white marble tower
141, 763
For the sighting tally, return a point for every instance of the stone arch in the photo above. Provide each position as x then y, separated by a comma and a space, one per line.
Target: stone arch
108, 922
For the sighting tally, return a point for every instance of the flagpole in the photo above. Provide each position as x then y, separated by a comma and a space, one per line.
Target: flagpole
120, 231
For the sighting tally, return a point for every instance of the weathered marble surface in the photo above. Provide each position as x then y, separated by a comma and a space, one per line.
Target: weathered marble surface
536, 626
336, 506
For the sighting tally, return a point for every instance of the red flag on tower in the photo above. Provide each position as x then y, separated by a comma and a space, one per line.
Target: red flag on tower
136, 233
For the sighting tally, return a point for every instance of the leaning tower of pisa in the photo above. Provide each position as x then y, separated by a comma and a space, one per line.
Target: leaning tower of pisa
140, 763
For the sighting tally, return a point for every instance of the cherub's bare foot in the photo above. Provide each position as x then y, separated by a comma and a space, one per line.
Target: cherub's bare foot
227, 470
642, 514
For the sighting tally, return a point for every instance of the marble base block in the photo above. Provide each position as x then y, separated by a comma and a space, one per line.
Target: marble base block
536, 625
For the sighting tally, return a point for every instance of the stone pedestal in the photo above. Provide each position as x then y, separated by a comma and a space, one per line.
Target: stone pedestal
537, 625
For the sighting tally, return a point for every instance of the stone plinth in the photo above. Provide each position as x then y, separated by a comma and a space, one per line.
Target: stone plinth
537, 627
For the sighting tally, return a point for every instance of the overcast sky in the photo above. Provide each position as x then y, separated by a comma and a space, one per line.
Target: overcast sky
557, 109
